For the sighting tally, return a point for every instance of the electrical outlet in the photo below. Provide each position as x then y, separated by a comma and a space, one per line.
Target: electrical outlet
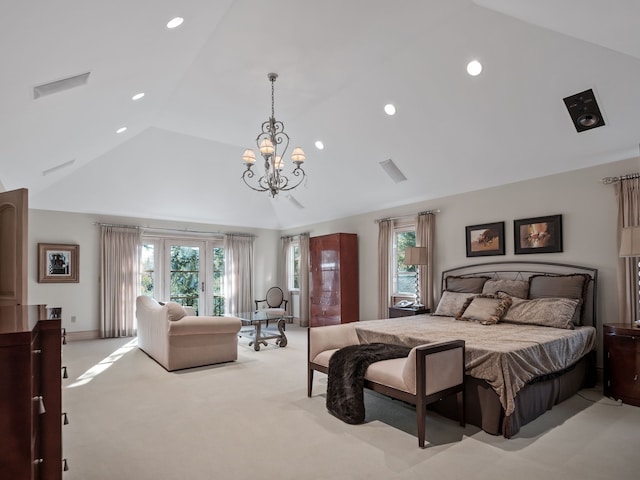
73, 319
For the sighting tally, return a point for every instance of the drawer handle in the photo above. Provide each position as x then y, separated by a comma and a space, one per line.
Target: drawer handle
65, 465
635, 379
64, 372
38, 461
65, 418
37, 351
41, 409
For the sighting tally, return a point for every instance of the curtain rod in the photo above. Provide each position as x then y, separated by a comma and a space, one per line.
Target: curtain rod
178, 230
610, 180
426, 212
294, 235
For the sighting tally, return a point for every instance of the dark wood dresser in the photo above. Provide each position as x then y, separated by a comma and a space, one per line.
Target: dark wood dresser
30, 393
622, 362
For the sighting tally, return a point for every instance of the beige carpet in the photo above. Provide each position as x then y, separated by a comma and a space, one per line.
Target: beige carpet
251, 419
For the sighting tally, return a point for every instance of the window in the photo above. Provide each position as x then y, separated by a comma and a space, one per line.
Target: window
293, 267
404, 276
147, 269
218, 281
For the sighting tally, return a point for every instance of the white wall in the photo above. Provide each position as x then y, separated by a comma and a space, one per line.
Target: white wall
589, 215
81, 300
589, 236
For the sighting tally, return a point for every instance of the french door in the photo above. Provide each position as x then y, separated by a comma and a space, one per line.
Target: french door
185, 274
186, 271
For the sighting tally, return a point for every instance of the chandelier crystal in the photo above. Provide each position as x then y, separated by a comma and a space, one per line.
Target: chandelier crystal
272, 144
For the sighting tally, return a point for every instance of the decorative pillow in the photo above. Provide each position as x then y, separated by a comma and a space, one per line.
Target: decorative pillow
451, 302
546, 312
465, 284
485, 309
514, 288
175, 311
560, 286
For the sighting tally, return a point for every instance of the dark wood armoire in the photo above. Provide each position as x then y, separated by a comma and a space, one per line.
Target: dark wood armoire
333, 279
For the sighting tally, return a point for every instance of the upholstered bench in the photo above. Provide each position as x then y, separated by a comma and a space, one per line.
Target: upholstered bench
429, 373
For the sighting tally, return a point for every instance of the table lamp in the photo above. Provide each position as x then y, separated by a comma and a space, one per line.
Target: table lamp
416, 256
630, 247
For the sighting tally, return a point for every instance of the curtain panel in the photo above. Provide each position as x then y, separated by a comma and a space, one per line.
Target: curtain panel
425, 232
285, 270
385, 232
120, 280
304, 279
238, 263
628, 198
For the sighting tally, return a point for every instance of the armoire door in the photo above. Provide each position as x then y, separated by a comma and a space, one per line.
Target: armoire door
14, 210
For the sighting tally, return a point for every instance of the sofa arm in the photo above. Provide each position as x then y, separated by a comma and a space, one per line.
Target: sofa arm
442, 363
190, 325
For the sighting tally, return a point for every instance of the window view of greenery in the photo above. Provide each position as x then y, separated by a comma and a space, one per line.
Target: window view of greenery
218, 281
405, 275
147, 270
295, 257
184, 275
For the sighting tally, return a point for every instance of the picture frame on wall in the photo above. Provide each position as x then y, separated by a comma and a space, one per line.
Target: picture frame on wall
538, 235
58, 263
485, 239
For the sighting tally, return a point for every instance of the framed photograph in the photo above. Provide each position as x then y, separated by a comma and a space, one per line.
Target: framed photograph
538, 235
486, 239
58, 263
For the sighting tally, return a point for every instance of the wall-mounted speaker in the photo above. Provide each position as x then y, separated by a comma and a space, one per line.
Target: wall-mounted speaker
584, 110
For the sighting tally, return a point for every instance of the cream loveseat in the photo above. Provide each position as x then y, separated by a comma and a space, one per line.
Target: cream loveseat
176, 339
429, 373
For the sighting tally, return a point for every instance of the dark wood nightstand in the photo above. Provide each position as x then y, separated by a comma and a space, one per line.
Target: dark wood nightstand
622, 362
407, 311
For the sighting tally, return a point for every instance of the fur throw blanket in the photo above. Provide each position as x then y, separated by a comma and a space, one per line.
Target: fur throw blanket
347, 367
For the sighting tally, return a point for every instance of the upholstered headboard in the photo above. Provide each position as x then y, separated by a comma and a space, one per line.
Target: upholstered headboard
520, 270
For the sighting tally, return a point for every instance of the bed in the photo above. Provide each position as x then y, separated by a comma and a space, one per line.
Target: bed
529, 330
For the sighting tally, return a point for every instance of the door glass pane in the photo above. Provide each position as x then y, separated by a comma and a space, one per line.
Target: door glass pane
147, 270
218, 281
185, 275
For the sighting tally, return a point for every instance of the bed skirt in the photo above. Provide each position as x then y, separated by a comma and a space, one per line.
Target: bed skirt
483, 408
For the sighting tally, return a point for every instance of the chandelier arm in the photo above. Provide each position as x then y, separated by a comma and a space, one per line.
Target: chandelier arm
298, 172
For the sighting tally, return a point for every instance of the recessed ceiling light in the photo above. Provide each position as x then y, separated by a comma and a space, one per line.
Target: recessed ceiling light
121, 129
175, 22
390, 109
474, 68
319, 145
138, 96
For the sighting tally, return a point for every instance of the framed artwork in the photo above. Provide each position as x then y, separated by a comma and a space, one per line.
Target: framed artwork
486, 239
58, 263
538, 235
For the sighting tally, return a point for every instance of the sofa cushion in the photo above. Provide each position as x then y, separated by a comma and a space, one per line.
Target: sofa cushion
175, 311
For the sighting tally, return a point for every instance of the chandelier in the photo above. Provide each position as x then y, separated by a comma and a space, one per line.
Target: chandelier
272, 144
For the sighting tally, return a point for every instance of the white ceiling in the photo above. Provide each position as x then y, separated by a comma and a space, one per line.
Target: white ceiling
339, 62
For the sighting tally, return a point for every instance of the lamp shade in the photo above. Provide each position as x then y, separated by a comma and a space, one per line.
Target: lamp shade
415, 256
249, 156
630, 242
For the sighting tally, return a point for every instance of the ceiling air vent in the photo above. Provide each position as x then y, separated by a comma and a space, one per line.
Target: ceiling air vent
393, 171
60, 85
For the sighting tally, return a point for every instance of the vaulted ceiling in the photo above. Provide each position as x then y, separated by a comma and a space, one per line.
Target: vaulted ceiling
339, 62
